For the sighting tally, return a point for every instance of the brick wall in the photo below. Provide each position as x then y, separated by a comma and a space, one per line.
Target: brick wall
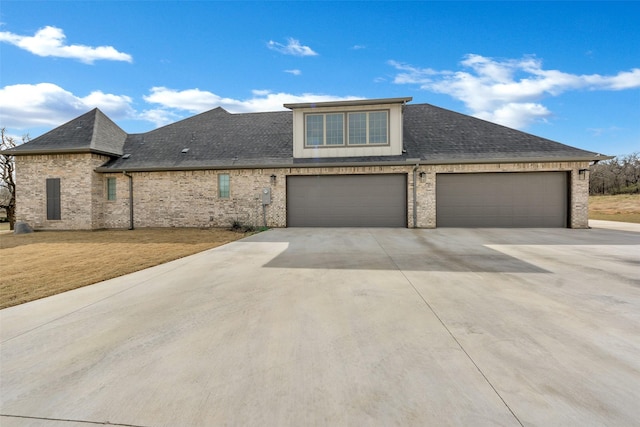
80, 190
190, 198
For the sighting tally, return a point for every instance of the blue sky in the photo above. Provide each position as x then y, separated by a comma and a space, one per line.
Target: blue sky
568, 71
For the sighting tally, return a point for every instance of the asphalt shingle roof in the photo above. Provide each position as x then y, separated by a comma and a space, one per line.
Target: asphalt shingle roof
91, 132
215, 138
218, 139
435, 134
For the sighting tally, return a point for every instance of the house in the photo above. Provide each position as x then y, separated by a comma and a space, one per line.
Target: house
370, 163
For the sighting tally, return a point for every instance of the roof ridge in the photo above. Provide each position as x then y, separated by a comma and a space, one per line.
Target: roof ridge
95, 111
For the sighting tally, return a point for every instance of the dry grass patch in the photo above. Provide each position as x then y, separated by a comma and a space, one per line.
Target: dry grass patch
4, 226
45, 263
621, 207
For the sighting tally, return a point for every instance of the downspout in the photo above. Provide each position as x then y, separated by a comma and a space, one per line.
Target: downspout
415, 195
130, 199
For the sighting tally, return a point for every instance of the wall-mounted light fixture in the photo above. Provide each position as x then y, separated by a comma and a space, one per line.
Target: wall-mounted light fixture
423, 176
582, 173
273, 179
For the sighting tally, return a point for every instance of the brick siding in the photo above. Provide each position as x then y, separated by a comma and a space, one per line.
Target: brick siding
190, 198
81, 190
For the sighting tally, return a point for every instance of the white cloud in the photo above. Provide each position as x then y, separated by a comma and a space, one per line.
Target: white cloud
508, 91
192, 100
598, 132
46, 104
293, 47
197, 101
49, 41
295, 72
516, 115
159, 116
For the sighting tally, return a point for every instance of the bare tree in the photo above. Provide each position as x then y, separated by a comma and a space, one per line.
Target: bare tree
617, 175
8, 182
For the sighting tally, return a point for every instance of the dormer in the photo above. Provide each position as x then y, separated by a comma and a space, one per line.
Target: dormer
358, 128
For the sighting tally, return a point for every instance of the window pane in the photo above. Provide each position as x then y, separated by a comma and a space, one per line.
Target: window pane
378, 127
315, 129
111, 188
223, 186
357, 128
335, 129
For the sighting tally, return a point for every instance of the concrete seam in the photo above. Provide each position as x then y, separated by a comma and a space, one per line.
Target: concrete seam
104, 423
98, 301
450, 333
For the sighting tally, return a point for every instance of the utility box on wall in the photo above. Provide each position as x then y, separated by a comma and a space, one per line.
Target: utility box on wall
266, 196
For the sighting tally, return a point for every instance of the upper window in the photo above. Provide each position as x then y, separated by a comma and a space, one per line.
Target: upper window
111, 188
223, 186
325, 129
362, 128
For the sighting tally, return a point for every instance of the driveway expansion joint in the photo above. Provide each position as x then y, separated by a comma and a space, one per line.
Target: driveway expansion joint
64, 420
84, 307
449, 331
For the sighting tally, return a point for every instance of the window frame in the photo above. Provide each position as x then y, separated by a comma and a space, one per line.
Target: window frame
224, 188
111, 189
346, 129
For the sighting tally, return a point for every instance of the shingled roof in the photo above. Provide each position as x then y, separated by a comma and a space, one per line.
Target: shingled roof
91, 132
436, 135
215, 138
219, 139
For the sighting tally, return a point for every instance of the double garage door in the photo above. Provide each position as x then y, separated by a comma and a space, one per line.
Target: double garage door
535, 199
347, 201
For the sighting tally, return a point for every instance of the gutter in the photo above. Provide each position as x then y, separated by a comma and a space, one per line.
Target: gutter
130, 198
402, 162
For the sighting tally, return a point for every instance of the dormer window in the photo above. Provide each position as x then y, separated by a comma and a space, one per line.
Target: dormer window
352, 128
370, 127
344, 129
325, 129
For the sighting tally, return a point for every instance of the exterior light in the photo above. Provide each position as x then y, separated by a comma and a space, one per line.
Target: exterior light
582, 173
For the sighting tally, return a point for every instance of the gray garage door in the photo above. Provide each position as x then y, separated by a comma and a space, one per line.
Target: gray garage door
536, 199
347, 201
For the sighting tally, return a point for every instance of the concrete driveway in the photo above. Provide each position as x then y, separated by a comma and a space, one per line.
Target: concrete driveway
457, 327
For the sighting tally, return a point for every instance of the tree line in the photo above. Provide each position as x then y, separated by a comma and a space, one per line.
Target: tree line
620, 175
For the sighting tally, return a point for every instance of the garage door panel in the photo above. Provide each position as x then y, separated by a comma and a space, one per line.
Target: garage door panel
347, 201
531, 199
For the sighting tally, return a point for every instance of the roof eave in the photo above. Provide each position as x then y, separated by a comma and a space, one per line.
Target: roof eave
404, 162
515, 160
349, 103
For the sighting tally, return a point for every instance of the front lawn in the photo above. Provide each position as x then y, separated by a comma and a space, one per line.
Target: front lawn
45, 263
